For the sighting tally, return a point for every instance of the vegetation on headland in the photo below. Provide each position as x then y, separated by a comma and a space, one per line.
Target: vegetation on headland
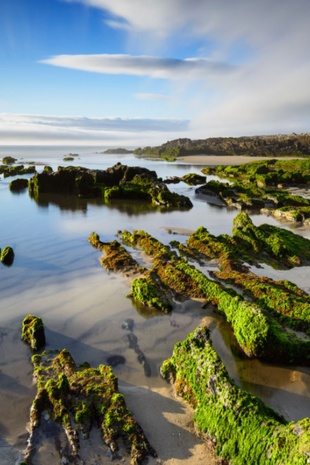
118, 151
79, 398
296, 145
115, 183
243, 429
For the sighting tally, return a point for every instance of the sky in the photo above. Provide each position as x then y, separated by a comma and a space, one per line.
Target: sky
131, 73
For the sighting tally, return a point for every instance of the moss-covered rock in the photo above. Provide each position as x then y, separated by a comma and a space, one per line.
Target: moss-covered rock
18, 184
9, 160
282, 299
117, 182
257, 332
193, 179
115, 257
79, 398
243, 428
33, 332
7, 255
149, 291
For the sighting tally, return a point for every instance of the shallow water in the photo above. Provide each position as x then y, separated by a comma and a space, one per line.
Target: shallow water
57, 275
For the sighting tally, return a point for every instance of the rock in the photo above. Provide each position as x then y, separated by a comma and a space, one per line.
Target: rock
78, 398
18, 184
128, 324
9, 160
33, 332
243, 428
7, 256
115, 360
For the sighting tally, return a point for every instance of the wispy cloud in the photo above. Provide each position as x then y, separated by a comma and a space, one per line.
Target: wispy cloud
154, 67
54, 129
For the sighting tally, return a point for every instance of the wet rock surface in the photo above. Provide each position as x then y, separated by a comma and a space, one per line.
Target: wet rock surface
71, 402
243, 429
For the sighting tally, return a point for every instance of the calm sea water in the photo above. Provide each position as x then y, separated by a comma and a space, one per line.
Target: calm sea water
57, 275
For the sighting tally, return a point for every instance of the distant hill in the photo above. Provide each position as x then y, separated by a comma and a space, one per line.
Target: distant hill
275, 145
118, 151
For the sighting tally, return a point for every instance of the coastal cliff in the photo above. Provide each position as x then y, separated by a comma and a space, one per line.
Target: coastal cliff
275, 145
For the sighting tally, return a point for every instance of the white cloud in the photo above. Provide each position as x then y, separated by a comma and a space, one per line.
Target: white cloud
41, 129
269, 92
154, 67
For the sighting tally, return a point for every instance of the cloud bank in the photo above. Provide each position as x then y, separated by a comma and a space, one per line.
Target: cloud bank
41, 129
268, 41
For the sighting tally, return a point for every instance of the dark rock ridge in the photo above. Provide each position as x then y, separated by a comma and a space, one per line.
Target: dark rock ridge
291, 144
119, 182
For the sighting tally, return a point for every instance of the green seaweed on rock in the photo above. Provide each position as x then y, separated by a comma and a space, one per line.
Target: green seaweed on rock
243, 428
79, 398
33, 332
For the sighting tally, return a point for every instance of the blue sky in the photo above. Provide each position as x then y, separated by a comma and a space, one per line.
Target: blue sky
140, 72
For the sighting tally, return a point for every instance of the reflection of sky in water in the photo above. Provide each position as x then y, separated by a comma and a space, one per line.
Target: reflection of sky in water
56, 274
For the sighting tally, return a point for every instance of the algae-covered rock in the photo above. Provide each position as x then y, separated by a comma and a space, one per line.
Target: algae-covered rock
7, 255
258, 332
115, 256
18, 184
78, 398
33, 332
243, 429
149, 291
9, 160
271, 244
117, 182
193, 179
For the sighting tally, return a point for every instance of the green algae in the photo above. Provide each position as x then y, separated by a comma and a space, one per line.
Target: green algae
33, 332
257, 332
282, 299
115, 256
7, 255
242, 427
253, 244
150, 292
118, 182
193, 179
80, 397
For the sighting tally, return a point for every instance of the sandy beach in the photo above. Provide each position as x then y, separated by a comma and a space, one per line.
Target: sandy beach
216, 160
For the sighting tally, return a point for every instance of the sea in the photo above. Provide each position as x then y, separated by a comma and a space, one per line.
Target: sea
57, 275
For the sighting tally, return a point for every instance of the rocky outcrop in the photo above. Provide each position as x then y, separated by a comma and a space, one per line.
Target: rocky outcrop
291, 144
117, 182
33, 332
77, 399
243, 429
7, 255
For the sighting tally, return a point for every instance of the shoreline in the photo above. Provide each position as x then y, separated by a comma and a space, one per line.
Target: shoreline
217, 160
